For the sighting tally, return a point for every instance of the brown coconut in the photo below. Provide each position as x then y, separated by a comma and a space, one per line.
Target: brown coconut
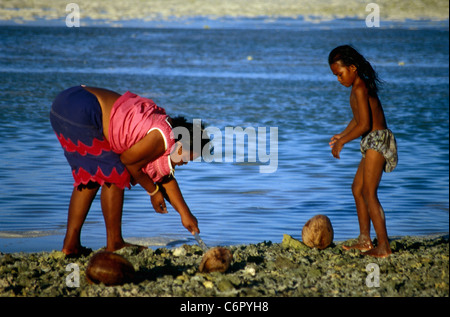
109, 268
318, 232
216, 259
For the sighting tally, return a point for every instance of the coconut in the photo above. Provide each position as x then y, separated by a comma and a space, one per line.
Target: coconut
109, 268
216, 259
318, 232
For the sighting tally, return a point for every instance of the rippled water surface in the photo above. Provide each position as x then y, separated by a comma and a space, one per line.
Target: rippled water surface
268, 77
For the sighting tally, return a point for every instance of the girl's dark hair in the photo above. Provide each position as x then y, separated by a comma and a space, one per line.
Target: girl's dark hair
347, 55
182, 122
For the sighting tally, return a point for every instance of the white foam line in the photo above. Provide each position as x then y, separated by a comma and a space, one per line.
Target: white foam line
155, 241
28, 234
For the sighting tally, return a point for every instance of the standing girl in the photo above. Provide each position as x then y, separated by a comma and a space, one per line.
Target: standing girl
378, 145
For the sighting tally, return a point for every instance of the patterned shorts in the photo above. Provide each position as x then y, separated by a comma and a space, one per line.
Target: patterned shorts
76, 118
382, 141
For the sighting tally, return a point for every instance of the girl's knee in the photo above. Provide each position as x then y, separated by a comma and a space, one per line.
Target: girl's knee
357, 189
370, 193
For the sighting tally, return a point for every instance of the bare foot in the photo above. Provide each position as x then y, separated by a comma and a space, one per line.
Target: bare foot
76, 252
126, 244
139, 247
361, 245
379, 252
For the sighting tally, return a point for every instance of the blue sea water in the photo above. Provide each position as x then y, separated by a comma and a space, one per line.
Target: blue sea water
258, 76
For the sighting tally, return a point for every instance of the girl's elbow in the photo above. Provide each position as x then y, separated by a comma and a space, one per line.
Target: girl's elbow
135, 172
130, 166
365, 130
125, 159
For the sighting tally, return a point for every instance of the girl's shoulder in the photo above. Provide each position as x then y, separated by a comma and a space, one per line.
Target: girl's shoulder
360, 89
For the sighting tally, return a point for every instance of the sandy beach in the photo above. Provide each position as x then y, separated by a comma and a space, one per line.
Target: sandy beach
418, 267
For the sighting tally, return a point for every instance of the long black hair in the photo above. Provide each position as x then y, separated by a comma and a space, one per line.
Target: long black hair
347, 55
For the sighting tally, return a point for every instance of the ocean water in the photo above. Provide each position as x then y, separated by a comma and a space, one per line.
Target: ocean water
243, 74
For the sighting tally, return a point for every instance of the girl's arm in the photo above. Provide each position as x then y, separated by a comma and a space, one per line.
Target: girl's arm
349, 127
173, 195
139, 155
362, 120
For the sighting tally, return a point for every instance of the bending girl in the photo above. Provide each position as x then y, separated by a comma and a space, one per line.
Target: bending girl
112, 141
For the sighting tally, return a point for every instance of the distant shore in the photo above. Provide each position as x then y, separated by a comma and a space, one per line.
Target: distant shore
419, 266
160, 11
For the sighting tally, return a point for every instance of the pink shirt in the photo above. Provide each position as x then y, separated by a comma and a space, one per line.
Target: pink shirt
132, 118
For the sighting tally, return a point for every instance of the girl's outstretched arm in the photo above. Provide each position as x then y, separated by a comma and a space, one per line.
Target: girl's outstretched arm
175, 197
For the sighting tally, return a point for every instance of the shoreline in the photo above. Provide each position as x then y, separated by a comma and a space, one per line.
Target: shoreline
419, 266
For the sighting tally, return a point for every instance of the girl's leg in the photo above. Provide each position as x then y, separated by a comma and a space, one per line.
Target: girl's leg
373, 170
112, 205
364, 243
79, 206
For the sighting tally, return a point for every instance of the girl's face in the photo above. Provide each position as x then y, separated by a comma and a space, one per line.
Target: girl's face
346, 75
180, 156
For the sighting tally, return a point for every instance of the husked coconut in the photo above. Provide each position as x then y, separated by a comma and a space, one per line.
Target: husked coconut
318, 232
109, 268
216, 259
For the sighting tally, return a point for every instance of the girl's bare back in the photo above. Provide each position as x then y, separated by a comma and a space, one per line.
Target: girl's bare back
106, 98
